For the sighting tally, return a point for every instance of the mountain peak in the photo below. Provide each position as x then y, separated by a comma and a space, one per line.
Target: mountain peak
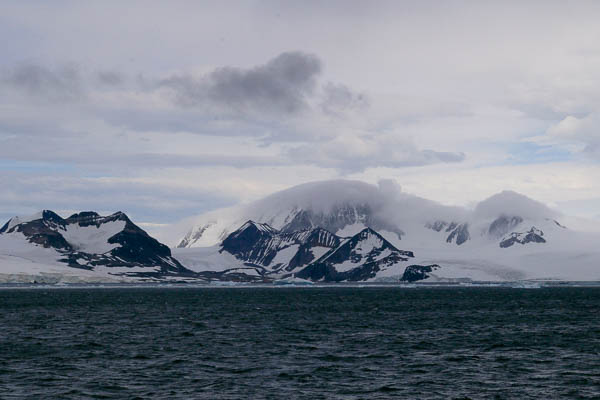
44, 215
85, 214
368, 231
250, 224
87, 240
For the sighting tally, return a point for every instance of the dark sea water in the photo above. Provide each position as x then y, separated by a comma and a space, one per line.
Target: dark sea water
347, 343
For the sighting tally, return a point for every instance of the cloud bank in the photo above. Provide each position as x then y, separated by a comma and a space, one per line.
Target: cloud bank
457, 101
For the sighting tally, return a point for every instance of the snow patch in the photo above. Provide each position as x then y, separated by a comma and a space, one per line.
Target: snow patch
93, 239
285, 255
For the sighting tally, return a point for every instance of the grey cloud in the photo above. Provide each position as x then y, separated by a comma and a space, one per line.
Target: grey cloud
384, 155
110, 78
62, 84
338, 98
282, 85
432, 157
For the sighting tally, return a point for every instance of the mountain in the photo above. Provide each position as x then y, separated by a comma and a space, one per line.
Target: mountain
328, 231
507, 236
262, 245
358, 258
341, 207
259, 252
86, 243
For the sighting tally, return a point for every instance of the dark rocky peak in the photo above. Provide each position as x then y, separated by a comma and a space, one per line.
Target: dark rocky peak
533, 235
118, 216
84, 215
366, 233
459, 235
503, 224
243, 242
89, 218
51, 216
365, 244
368, 250
45, 218
85, 218
41, 228
251, 227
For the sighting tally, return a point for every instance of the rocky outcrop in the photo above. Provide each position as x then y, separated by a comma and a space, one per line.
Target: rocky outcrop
502, 225
459, 234
414, 273
533, 235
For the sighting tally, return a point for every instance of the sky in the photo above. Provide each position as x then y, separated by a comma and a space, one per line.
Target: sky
169, 109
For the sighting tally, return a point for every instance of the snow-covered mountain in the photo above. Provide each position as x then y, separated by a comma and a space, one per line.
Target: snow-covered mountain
259, 252
84, 246
505, 237
323, 231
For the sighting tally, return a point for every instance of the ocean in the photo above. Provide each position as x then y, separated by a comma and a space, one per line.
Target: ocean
300, 343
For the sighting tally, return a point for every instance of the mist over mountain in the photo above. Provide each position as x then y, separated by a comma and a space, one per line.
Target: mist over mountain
507, 236
337, 205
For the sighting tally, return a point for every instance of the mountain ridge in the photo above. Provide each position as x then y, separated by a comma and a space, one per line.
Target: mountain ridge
87, 241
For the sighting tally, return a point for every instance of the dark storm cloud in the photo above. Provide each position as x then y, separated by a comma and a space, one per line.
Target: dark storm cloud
63, 84
282, 85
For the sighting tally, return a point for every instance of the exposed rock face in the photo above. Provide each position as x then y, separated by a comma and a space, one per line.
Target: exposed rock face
358, 258
86, 240
42, 231
414, 273
317, 238
534, 235
502, 225
314, 254
259, 244
459, 234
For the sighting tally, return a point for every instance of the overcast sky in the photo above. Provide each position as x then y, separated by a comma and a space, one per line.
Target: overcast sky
169, 109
